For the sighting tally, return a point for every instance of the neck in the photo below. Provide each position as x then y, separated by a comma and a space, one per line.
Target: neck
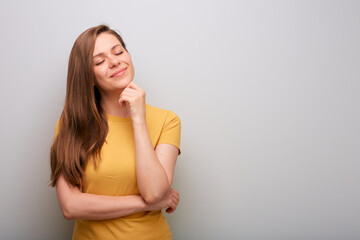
111, 105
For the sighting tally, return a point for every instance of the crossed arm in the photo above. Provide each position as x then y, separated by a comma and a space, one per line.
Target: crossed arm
154, 172
154, 169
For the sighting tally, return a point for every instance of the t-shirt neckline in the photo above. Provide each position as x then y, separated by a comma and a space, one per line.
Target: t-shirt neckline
117, 119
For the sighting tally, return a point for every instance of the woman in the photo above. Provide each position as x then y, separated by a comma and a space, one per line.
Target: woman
113, 156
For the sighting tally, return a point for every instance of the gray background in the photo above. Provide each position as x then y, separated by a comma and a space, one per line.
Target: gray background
267, 91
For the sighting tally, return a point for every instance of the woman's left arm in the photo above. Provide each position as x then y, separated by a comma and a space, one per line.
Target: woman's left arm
154, 168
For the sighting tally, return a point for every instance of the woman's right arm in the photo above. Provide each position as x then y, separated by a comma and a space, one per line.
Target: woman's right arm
75, 204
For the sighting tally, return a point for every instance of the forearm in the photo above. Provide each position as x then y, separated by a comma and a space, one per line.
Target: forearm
100, 207
77, 205
152, 179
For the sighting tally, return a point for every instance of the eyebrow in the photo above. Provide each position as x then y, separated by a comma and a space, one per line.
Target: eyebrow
111, 50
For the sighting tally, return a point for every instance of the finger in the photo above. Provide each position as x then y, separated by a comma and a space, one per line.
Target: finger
174, 203
133, 85
170, 210
129, 90
175, 191
127, 86
176, 195
124, 99
176, 200
132, 93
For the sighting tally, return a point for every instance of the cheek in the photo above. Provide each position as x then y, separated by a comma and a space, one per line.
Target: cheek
130, 63
127, 59
100, 72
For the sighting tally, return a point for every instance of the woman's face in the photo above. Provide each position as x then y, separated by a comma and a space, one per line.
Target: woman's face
112, 64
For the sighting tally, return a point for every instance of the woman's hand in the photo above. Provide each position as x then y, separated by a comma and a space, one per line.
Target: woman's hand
135, 97
169, 201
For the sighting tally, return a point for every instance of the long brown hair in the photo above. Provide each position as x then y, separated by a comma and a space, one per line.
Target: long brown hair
82, 127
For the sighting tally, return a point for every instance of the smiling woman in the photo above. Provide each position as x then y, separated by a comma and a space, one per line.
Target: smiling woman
113, 155
113, 67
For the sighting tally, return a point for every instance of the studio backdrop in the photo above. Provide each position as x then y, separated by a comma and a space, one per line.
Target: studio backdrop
268, 94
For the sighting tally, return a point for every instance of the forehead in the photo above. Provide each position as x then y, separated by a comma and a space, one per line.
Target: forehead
105, 42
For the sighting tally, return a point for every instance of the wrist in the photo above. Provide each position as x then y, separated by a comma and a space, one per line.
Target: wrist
139, 122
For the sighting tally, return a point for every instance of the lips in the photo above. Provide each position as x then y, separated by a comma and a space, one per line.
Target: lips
118, 73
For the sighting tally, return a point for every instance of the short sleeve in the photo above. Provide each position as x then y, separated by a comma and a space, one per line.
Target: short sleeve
56, 129
171, 131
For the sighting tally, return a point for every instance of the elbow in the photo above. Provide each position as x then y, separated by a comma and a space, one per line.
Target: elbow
68, 215
67, 212
154, 194
68, 197
154, 197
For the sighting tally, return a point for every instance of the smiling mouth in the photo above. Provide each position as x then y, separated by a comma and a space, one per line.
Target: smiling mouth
118, 73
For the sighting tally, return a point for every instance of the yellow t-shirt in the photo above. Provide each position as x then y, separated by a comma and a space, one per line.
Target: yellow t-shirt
115, 175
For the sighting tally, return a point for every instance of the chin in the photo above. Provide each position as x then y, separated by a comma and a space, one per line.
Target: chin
123, 83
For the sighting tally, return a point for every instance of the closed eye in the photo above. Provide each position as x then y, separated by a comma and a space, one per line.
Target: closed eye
97, 64
119, 53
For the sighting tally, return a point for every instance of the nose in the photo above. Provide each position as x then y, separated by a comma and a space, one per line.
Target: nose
113, 62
